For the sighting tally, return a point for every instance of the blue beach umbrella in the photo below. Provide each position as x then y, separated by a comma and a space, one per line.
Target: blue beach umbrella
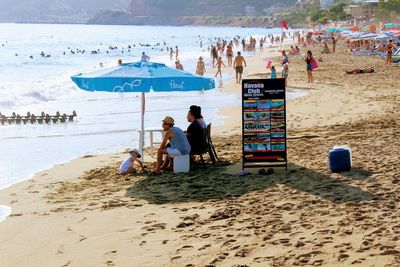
142, 77
333, 30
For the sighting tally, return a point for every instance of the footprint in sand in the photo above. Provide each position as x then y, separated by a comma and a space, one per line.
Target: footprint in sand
184, 248
110, 252
110, 263
205, 246
66, 264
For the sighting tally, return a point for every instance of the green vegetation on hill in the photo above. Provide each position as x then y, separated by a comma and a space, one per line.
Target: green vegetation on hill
312, 13
201, 7
388, 9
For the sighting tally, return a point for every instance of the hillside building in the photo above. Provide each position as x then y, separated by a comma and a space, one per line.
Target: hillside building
365, 10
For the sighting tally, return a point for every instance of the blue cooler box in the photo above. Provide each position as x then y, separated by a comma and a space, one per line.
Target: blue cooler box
340, 159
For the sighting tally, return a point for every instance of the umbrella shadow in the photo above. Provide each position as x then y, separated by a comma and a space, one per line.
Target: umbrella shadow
212, 183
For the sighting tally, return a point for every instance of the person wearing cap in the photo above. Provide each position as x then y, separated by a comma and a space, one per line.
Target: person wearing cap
178, 141
128, 165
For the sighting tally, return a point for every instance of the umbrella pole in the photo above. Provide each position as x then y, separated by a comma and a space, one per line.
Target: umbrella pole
141, 138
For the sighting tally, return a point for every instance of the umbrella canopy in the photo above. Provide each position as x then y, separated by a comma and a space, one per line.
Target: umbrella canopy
142, 77
332, 30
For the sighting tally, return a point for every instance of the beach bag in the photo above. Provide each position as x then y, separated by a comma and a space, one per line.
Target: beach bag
314, 64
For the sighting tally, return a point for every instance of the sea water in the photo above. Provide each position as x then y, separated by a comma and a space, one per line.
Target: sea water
106, 122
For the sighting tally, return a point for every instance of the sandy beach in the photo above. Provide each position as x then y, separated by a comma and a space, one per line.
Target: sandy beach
83, 214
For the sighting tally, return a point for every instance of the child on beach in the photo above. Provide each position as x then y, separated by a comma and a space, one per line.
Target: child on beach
219, 66
128, 165
273, 72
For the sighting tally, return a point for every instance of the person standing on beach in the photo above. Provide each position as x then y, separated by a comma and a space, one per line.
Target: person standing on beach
200, 68
229, 53
219, 66
333, 44
285, 58
389, 51
273, 72
285, 72
308, 60
171, 53
214, 54
176, 52
238, 66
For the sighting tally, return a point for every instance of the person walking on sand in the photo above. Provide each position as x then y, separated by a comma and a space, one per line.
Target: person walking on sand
238, 65
200, 68
176, 52
229, 53
333, 44
219, 66
308, 60
171, 53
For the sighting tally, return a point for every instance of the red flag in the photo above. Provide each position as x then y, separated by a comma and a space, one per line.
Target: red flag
284, 25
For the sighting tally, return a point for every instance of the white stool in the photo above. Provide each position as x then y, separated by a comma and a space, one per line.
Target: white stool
182, 163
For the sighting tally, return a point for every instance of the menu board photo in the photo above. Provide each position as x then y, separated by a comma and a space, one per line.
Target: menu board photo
264, 123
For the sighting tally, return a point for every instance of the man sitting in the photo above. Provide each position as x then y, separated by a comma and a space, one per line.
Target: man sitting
194, 133
178, 141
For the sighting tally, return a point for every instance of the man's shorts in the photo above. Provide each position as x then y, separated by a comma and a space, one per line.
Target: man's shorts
172, 152
239, 69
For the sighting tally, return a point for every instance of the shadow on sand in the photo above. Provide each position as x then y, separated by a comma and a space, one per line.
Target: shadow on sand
203, 184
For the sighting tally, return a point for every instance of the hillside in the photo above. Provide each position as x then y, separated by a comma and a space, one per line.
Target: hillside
200, 7
54, 11
190, 12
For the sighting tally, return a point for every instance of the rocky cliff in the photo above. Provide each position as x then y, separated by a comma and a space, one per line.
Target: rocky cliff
190, 12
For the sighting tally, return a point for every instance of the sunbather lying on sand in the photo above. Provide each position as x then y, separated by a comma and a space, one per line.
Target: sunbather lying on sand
358, 71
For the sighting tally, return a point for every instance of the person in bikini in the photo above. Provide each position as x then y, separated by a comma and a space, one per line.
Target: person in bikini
389, 51
200, 68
